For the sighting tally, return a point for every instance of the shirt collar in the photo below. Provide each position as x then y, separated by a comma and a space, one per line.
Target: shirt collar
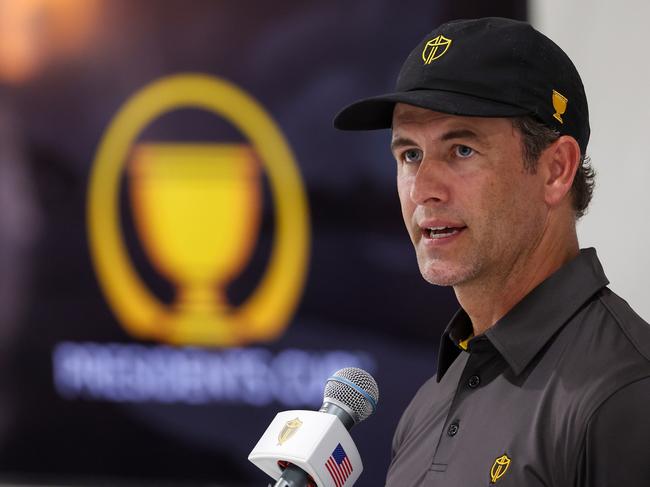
531, 323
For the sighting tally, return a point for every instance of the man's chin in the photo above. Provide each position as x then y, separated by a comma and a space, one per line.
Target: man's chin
445, 276
440, 281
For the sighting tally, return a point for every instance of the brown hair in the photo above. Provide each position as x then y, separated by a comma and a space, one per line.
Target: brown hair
536, 138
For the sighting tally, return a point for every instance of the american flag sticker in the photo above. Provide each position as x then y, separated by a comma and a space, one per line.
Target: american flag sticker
339, 466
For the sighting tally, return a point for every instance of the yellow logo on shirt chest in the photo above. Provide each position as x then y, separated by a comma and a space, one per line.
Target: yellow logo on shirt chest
499, 468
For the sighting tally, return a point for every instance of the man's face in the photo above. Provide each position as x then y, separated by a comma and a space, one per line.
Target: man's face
471, 209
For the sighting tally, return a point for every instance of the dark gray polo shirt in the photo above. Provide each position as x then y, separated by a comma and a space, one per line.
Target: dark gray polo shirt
557, 393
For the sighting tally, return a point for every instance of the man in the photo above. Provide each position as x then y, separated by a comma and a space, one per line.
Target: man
544, 374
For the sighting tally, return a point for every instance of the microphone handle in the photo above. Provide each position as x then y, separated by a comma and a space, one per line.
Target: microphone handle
336, 410
293, 477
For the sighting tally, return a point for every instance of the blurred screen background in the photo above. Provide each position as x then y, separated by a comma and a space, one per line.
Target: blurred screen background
86, 401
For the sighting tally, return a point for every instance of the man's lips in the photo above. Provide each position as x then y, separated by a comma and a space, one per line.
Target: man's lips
440, 231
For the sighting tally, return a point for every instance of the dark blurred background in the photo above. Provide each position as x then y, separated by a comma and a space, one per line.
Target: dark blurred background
66, 69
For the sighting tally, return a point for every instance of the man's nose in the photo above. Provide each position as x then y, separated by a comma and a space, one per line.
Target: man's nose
431, 184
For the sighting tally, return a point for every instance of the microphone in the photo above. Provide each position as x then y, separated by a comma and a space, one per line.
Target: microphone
314, 449
351, 395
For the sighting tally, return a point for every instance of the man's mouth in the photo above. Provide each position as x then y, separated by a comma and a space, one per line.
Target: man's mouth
441, 232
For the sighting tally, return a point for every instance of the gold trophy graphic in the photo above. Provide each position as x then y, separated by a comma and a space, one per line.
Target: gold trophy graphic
197, 210
559, 104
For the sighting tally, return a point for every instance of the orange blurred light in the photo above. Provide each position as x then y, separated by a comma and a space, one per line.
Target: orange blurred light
35, 32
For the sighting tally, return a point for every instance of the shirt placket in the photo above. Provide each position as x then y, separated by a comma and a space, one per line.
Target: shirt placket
454, 432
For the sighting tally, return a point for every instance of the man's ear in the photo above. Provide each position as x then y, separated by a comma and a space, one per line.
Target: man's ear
559, 162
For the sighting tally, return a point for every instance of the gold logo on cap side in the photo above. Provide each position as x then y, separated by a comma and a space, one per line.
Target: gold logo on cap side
499, 468
435, 48
289, 429
559, 103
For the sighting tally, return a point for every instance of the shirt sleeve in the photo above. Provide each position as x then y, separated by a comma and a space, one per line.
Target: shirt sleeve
616, 451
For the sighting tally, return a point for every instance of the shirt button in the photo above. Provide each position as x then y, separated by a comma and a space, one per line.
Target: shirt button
474, 381
453, 429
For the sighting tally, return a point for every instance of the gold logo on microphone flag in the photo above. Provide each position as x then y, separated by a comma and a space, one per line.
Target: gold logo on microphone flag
289, 430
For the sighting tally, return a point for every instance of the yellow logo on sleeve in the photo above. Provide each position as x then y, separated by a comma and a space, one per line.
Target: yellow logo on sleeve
435, 49
499, 468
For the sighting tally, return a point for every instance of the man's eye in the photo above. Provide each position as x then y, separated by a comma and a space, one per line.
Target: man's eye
412, 155
464, 151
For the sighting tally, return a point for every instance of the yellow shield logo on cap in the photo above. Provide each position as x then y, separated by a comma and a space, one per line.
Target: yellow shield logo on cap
435, 49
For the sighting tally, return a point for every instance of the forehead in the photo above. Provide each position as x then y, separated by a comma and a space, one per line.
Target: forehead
407, 117
404, 113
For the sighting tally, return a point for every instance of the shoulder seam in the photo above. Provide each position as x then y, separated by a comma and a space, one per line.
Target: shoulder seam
583, 438
619, 322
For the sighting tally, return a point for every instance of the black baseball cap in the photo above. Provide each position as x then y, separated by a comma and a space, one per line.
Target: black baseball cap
489, 67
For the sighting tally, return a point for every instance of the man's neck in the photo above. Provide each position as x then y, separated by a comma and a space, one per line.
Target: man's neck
487, 300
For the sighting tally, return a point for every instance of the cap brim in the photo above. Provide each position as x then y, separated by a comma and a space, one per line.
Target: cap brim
377, 112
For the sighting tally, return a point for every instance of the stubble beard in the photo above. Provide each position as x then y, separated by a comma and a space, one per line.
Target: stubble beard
444, 273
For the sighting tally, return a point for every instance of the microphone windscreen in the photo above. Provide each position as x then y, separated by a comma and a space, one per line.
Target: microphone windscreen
354, 388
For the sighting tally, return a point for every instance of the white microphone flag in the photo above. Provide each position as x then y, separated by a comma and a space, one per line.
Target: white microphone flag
316, 442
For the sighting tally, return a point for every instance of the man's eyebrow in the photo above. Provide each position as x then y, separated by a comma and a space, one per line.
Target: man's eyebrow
451, 135
400, 142
460, 134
